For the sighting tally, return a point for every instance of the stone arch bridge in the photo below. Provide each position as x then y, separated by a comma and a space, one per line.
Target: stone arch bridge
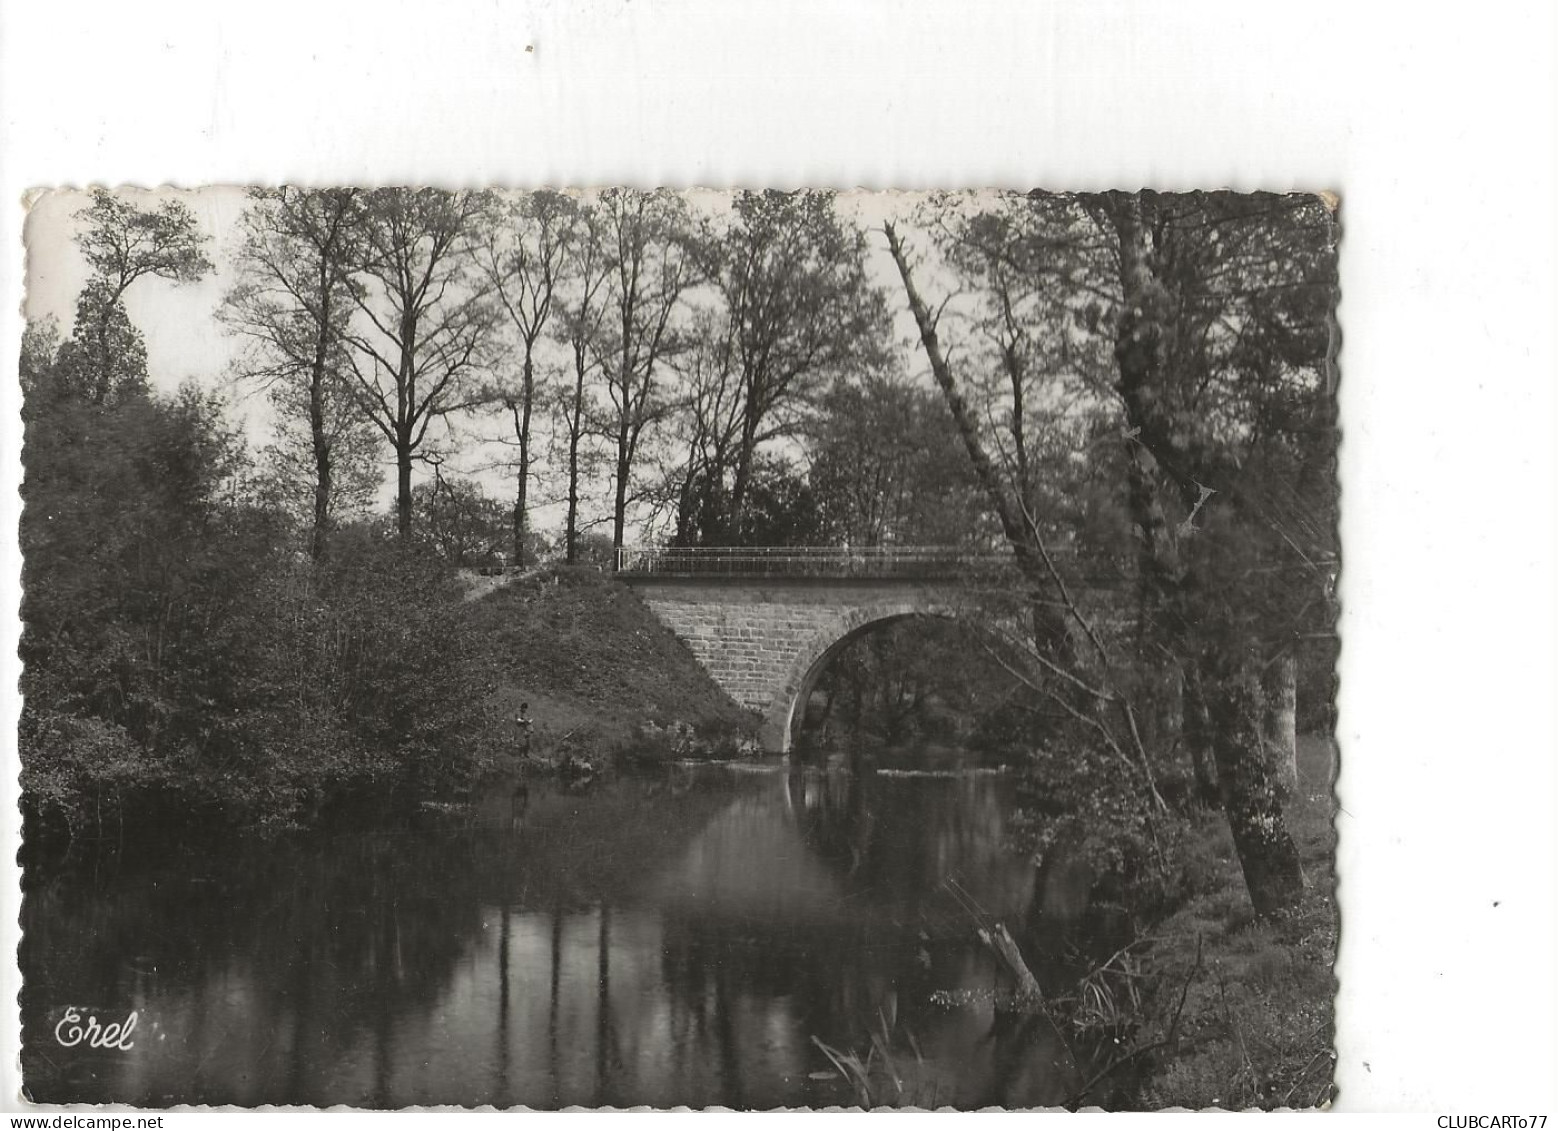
766, 622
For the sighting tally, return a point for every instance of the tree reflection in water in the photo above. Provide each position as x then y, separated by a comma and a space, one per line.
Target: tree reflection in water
675, 939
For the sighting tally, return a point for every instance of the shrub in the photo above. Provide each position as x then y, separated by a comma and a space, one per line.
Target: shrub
1081, 798
69, 764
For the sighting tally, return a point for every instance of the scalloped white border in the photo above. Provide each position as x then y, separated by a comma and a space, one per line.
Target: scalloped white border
1436, 126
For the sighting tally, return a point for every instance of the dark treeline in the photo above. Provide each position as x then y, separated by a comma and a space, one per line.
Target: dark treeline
1136, 387
1145, 382
184, 656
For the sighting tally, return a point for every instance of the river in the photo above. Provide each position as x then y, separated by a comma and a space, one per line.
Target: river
691, 936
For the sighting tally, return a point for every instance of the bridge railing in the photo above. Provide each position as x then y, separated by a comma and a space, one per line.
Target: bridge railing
806, 561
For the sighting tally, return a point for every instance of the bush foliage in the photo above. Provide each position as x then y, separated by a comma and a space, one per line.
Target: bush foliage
179, 653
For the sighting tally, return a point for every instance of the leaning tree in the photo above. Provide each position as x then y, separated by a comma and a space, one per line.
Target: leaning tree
1192, 335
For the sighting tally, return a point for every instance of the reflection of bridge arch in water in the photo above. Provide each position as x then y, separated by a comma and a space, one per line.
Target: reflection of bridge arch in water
828, 809
892, 842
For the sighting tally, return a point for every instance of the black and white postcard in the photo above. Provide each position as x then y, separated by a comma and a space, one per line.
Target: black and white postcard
506, 622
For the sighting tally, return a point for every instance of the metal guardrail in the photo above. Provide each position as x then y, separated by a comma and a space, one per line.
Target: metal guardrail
806, 561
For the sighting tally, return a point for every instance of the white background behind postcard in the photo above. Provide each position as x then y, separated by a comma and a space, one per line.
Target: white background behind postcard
1435, 125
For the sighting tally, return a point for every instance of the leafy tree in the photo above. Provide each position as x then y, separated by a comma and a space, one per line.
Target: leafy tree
796, 310
583, 306
464, 525
524, 259
122, 244
288, 467
35, 368
707, 421
137, 546
424, 325
176, 653
292, 305
887, 467
1222, 340
1201, 326
178, 660
1000, 462
359, 677
104, 359
781, 509
645, 236
595, 549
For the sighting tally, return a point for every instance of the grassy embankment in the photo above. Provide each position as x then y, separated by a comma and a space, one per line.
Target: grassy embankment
602, 676
1257, 1021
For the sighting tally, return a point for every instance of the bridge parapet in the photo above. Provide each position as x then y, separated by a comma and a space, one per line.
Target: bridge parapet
917, 563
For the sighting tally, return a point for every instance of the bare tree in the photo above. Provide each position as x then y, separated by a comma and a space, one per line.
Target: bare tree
708, 415
1009, 498
424, 320
583, 305
523, 260
292, 303
645, 234
796, 310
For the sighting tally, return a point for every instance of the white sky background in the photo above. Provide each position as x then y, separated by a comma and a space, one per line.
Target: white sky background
1435, 123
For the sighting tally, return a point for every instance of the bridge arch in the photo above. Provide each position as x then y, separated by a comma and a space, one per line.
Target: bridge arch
783, 715
764, 622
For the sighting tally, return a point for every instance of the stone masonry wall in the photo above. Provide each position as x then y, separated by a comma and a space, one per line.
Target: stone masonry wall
760, 640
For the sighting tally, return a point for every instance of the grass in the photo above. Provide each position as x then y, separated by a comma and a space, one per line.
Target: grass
1258, 1015
601, 674
880, 1080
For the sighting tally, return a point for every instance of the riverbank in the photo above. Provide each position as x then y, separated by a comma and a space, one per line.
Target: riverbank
602, 677
1245, 1008
374, 680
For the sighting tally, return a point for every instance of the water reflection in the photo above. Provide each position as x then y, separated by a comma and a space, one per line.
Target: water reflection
678, 939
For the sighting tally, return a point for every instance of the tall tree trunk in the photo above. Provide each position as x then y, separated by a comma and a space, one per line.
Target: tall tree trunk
1279, 729
1251, 799
1140, 356
519, 522
1050, 631
1236, 701
316, 418
731, 521
318, 373
403, 486
686, 494
1197, 734
619, 509
522, 427
575, 435
571, 531
322, 469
